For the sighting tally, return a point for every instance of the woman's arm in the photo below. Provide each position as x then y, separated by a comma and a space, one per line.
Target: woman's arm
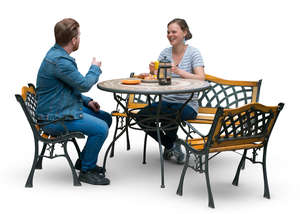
198, 73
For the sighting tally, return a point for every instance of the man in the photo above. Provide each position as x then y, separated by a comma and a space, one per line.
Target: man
59, 88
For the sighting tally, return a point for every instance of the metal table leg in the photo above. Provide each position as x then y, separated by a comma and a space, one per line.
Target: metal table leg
159, 142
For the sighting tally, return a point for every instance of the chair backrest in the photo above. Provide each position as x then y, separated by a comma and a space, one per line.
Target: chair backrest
228, 94
251, 123
28, 103
139, 100
222, 93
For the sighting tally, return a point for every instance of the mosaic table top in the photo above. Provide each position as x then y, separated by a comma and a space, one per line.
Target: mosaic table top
178, 85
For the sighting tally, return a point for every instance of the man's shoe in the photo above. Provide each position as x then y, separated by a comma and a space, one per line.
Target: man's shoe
93, 177
99, 169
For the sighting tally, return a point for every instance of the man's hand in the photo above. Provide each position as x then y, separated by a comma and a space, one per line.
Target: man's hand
97, 63
94, 106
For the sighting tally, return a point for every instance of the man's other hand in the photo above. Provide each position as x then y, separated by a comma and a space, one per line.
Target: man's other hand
94, 106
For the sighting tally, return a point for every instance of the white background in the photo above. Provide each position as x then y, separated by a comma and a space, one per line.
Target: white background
241, 40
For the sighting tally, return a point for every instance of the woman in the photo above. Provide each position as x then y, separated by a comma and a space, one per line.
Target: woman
187, 63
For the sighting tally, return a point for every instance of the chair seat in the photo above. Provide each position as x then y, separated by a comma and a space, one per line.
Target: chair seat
45, 136
203, 119
118, 114
198, 144
123, 114
55, 139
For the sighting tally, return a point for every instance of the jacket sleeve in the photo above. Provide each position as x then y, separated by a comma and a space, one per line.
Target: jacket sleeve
67, 72
85, 100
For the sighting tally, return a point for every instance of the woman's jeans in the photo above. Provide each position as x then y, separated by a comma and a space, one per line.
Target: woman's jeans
93, 124
169, 136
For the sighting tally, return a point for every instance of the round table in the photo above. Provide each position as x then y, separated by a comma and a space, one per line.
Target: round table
178, 86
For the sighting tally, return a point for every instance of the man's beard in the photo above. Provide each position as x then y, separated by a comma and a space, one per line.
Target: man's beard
76, 46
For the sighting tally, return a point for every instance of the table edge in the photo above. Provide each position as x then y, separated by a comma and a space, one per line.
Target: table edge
152, 92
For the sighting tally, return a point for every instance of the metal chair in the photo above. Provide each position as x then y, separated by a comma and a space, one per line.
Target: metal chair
28, 103
227, 94
223, 93
132, 101
244, 128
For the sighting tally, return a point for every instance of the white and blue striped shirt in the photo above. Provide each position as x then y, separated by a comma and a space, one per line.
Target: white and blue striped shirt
190, 60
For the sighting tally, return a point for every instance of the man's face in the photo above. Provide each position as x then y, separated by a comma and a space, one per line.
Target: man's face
76, 41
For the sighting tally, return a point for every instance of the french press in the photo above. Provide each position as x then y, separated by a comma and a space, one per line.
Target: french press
164, 72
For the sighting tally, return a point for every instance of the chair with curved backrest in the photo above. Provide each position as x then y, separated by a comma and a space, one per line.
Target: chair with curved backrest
226, 94
28, 103
223, 93
244, 128
132, 101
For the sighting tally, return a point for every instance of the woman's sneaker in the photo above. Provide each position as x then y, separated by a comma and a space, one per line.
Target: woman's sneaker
175, 152
168, 153
179, 155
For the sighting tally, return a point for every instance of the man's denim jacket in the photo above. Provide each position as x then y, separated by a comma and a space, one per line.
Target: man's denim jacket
59, 86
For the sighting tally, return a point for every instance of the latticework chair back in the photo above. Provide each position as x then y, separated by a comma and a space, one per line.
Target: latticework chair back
140, 100
29, 98
228, 94
250, 125
28, 102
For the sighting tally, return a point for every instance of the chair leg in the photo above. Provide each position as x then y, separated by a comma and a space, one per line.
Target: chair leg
210, 196
35, 159
244, 165
77, 147
127, 133
237, 174
76, 181
110, 147
266, 185
78, 161
145, 147
106, 154
180, 186
112, 151
39, 164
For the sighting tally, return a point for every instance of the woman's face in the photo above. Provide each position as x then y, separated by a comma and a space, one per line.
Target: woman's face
175, 34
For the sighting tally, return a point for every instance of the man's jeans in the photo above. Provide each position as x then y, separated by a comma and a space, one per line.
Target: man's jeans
167, 137
93, 124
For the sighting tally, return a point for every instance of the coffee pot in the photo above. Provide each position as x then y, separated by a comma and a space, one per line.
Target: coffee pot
164, 72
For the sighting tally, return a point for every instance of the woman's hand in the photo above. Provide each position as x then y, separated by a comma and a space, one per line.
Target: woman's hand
198, 73
175, 69
152, 67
